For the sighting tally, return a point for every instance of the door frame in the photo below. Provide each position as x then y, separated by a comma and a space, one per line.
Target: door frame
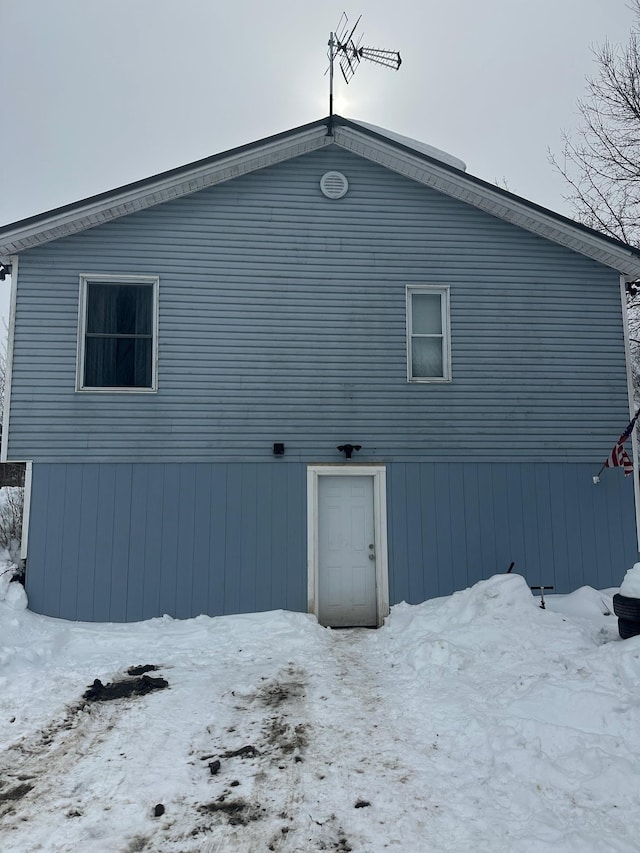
379, 475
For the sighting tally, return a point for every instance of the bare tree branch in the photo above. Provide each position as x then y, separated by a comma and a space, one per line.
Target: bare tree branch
601, 163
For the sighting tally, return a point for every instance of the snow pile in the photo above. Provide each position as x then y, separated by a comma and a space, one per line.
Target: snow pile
473, 722
630, 585
421, 147
11, 592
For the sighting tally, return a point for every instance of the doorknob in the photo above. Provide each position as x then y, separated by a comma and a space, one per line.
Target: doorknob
372, 556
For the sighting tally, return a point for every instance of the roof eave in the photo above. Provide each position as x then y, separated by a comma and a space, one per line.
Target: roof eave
500, 203
365, 142
80, 216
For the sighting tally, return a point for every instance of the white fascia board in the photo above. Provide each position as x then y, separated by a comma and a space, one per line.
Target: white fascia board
82, 217
457, 184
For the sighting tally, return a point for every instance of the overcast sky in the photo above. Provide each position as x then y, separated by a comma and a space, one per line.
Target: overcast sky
98, 93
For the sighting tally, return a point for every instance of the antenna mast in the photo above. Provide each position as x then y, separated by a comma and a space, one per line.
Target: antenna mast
347, 47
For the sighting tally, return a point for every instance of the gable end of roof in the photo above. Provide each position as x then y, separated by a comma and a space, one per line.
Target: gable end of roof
386, 149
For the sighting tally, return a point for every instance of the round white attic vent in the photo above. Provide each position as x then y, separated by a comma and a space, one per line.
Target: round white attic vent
334, 184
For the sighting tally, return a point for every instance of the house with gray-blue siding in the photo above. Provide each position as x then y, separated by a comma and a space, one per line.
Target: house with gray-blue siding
327, 371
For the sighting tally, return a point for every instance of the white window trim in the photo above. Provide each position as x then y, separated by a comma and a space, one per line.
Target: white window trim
379, 474
443, 290
154, 280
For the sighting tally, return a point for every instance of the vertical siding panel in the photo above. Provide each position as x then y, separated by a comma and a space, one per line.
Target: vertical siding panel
233, 539
429, 530
443, 526
532, 568
457, 515
591, 507
558, 499
186, 522
414, 534
620, 539
605, 535
469, 519
296, 577
70, 533
154, 542
488, 529
501, 520
104, 542
248, 549
139, 542
517, 519
35, 574
203, 564
170, 553
264, 554
54, 526
218, 540
577, 551
279, 526
88, 556
544, 504
397, 510
121, 534
151, 518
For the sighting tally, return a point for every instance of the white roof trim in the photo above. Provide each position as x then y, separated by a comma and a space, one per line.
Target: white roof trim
420, 147
81, 217
365, 142
484, 196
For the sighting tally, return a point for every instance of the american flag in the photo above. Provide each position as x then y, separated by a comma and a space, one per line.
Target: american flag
619, 458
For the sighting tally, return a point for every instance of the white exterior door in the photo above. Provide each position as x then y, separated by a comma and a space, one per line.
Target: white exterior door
346, 552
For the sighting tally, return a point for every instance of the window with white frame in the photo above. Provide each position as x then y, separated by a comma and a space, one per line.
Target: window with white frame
117, 340
428, 338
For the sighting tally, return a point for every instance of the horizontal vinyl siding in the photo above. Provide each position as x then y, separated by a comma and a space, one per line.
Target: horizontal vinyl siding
282, 318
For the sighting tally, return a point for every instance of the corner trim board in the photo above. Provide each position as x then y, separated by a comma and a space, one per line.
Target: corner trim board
9, 360
26, 511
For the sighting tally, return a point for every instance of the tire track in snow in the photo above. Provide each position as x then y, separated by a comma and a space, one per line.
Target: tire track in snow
257, 764
36, 773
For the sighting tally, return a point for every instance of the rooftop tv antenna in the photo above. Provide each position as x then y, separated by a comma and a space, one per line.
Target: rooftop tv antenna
346, 46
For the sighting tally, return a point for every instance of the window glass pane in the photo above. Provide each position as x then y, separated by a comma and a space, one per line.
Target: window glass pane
119, 309
426, 357
426, 314
117, 362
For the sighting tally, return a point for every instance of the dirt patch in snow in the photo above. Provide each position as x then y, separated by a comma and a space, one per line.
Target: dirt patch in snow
13, 794
279, 691
285, 737
31, 766
123, 688
140, 670
248, 751
238, 812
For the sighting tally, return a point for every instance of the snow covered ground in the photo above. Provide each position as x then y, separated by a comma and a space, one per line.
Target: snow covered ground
477, 722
